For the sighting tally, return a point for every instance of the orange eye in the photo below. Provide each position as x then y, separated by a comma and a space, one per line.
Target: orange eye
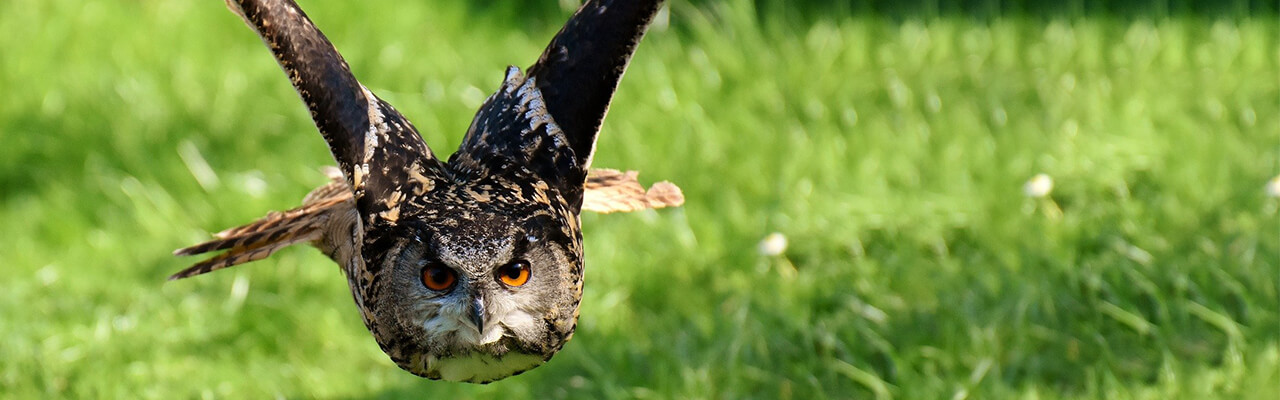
438, 277
514, 274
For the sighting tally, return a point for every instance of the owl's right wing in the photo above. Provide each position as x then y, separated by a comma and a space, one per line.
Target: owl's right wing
376, 147
325, 219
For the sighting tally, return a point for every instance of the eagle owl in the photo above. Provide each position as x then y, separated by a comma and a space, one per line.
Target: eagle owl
468, 269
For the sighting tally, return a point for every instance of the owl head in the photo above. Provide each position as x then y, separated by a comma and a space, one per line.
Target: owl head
477, 291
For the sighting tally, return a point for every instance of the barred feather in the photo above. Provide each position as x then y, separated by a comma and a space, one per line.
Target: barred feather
609, 191
259, 239
606, 191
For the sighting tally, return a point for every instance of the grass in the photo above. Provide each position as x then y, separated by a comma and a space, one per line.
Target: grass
891, 155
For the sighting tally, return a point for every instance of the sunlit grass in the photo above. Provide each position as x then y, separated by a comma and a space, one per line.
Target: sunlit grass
892, 156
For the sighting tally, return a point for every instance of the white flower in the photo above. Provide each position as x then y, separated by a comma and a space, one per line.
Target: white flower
1273, 187
1039, 186
773, 244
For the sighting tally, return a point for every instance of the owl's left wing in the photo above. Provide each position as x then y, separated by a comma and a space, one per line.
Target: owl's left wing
549, 120
610, 191
581, 67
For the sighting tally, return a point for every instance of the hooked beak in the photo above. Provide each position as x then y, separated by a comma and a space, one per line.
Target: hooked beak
477, 313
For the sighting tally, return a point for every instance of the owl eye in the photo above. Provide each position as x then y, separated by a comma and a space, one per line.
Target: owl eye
515, 273
438, 277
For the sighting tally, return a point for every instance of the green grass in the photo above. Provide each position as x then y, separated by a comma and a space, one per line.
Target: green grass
891, 154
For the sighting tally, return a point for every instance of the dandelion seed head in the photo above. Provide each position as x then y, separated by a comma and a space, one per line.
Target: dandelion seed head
773, 244
1038, 186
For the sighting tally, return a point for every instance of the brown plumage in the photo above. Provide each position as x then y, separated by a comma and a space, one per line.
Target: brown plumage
467, 269
610, 191
330, 209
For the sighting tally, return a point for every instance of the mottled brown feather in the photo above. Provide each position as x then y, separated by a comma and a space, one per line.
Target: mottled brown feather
609, 191
606, 191
277, 230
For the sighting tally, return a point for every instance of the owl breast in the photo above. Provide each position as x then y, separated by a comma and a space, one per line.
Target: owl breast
481, 368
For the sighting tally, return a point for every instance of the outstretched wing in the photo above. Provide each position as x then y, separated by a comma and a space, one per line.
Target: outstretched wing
326, 213
548, 121
580, 69
374, 145
610, 191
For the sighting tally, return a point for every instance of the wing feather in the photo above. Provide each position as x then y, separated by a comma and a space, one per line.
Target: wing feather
372, 142
581, 67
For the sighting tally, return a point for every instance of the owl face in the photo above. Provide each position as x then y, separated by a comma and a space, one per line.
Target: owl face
476, 291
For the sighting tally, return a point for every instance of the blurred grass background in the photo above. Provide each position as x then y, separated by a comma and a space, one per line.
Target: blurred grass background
887, 142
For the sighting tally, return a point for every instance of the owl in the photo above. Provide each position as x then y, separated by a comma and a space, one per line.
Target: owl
468, 269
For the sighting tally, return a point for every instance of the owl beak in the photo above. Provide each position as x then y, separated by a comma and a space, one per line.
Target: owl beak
477, 313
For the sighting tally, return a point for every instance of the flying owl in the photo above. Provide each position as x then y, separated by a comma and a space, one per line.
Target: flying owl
468, 269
